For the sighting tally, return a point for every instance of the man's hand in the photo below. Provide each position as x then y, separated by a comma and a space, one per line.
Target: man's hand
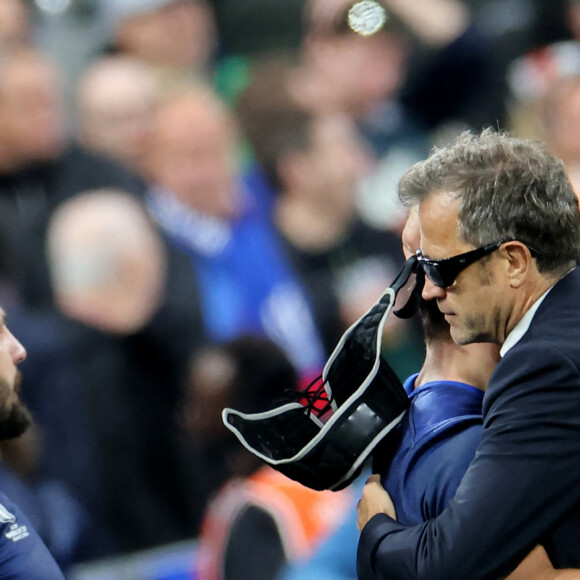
537, 566
375, 500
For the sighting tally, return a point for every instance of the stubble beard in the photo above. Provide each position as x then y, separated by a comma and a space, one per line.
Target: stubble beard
472, 331
476, 327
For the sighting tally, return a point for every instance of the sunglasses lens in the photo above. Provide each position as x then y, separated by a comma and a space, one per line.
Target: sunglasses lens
432, 272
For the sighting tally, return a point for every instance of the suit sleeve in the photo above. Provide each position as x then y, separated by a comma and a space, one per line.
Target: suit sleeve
525, 476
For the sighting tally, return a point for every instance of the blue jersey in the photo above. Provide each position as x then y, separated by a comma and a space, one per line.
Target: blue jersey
425, 459
23, 555
245, 280
434, 445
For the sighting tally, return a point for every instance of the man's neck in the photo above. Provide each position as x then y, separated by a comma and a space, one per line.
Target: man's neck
529, 296
447, 361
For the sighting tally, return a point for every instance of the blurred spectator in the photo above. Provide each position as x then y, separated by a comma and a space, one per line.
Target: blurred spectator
514, 28
533, 74
560, 118
254, 28
177, 37
572, 17
107, 262
314, 163
40, 166
425, 67
335, 557
204, 208
357, 75
447, 57
31, 116
451, 73
131, 339
116, 102
339, 66
260, 519
15, 24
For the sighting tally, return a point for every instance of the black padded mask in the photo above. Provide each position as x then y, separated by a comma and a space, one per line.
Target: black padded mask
324, 443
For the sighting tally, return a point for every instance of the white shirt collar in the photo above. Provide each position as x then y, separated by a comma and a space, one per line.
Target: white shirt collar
522, 326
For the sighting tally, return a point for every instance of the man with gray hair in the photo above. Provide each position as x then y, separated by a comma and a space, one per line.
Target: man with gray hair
499, 244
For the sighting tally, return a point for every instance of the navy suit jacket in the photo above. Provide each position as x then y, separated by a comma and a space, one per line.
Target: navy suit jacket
523, 486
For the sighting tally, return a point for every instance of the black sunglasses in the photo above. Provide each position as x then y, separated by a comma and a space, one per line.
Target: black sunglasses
443, 272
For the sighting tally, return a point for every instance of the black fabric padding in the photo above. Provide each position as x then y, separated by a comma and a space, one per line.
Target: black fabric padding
368, 396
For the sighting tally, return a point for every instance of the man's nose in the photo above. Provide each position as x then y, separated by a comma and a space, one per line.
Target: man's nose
17, 350
432, 292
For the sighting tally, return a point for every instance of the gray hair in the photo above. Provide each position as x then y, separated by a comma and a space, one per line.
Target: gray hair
509, 189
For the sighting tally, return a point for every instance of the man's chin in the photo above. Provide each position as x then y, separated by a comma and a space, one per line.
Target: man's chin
463, 337
15, 423
460, 337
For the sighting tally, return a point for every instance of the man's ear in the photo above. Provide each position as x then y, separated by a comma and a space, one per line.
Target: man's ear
519, 262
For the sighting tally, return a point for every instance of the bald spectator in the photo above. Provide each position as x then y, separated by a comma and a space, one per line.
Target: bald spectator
194, 153
116, 101
199, 199
109, 272
108, 262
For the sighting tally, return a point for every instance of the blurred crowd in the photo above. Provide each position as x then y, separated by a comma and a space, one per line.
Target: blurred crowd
197, 198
